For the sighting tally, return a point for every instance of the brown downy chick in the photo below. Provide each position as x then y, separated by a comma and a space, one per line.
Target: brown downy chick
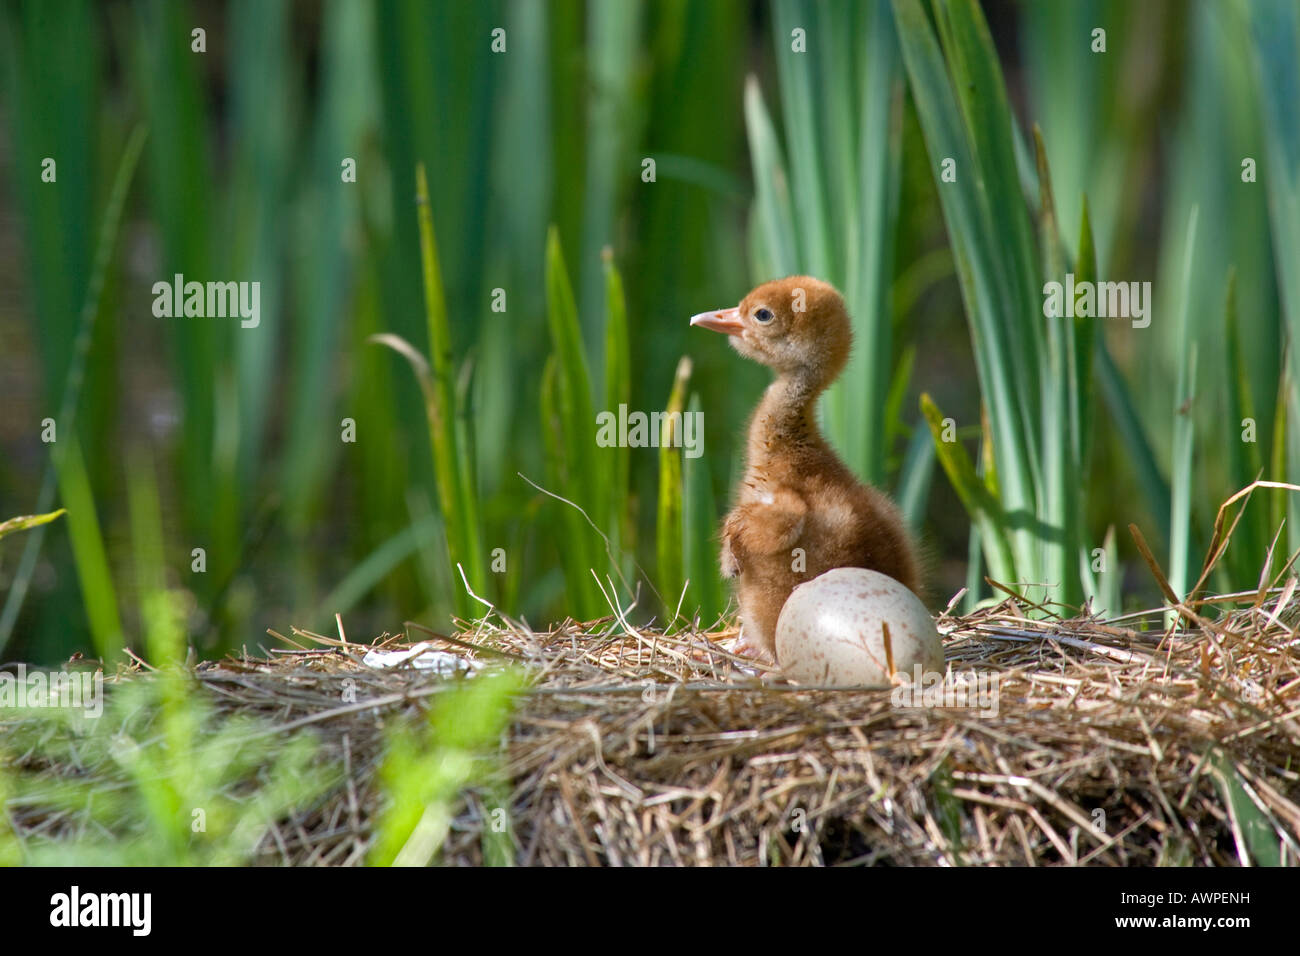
796, 493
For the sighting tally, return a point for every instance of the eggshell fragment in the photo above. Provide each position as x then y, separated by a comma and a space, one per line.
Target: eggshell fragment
829, 631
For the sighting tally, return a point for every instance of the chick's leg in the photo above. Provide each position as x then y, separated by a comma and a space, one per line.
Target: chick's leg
727, 559
763, 527
754, 642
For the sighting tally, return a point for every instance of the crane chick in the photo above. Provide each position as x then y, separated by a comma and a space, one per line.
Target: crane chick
799, 510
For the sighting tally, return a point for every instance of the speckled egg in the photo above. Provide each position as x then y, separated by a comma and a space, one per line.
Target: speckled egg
830, 632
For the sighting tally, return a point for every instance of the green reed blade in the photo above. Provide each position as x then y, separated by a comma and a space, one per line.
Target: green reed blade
618, 392
706, 592
24, 522
772, 228
1275, 34
669, 525
980, 504
1184, 433
71, 390
582, 595
97, 591
573, 388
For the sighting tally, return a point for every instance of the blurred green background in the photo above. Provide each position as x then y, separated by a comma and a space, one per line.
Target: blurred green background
785, 136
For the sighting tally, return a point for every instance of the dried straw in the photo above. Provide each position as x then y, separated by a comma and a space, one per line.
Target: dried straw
1119, 743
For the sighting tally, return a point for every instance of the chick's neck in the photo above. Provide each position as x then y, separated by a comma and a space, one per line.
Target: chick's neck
786, 418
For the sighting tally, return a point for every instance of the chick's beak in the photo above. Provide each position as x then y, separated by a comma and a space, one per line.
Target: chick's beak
726, 321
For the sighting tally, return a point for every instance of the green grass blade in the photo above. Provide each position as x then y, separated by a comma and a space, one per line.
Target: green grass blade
832, 211
1275, 35
72, 385
981, 93
576, 463
893, 406
1286, 410
97, 591
1077, 105
586, 474
457, 497
1060, 507
983, 509
583, 598
1084, 347
160, 618
382, 467
1184, 432
613, 33
772, 230
258, 65
618, 392
374, 568
798, 83
24, 522
669, 523
168, 77
872, 202
974, 569
1133, 440
706, 592
992, 298
916, 476
1244, 458
426, 767
1107, 596
51, 57
1258, 839
147, 548
505, 377
321, 281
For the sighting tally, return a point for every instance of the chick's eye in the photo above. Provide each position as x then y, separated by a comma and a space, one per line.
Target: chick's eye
763, 315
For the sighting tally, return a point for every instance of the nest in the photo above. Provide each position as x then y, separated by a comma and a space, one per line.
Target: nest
1110, 744
1120, 743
